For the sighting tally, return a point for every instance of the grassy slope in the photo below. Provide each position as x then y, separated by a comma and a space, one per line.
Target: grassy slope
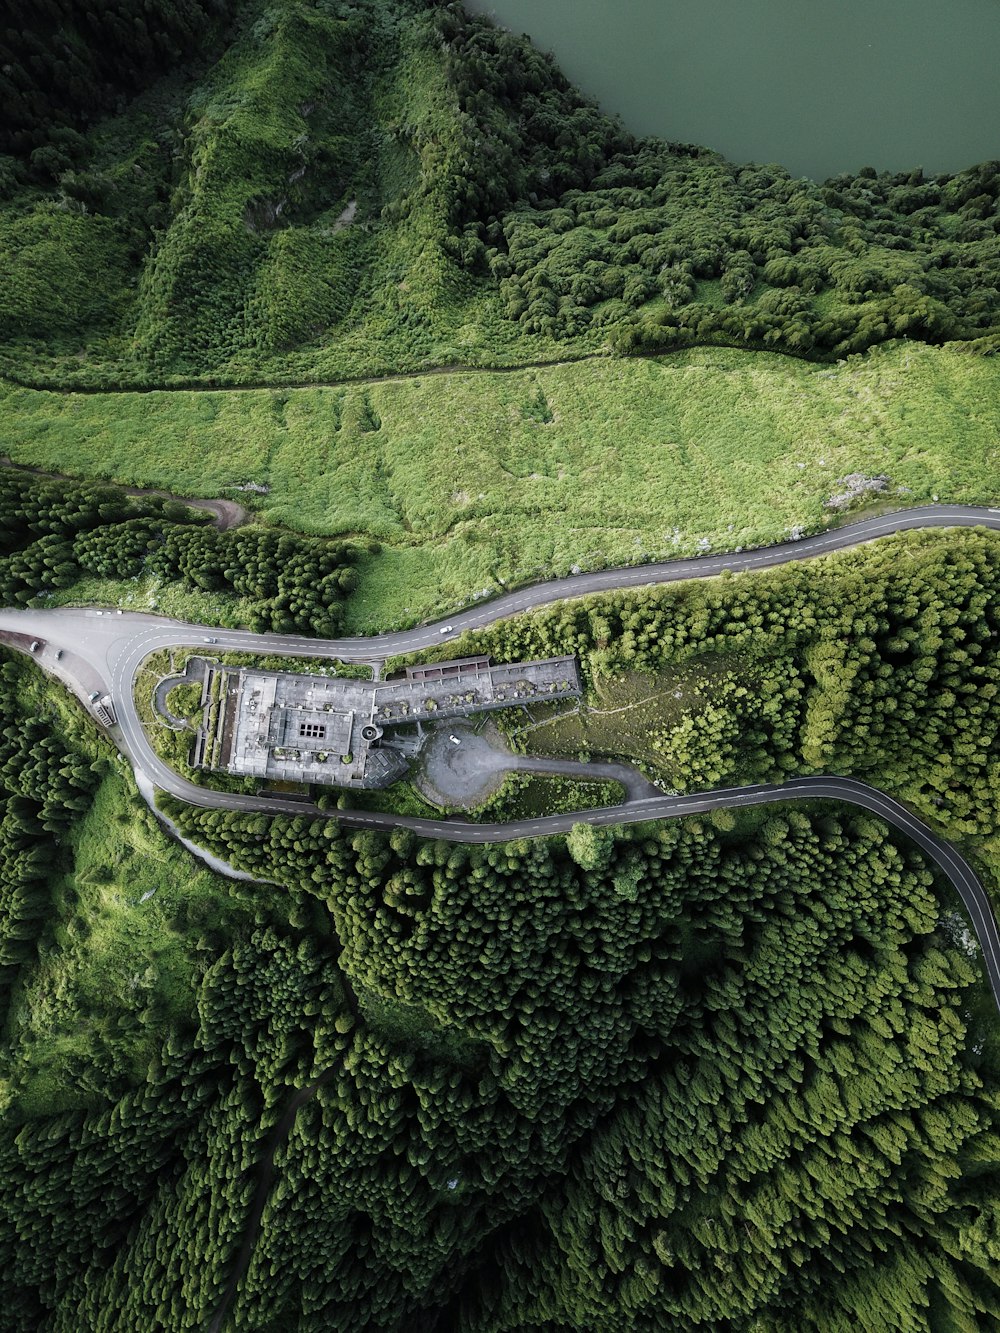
213, 208
468, 479
350, 189
115, 971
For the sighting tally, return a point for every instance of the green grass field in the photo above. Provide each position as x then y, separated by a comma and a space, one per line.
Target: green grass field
628, 714
119, 966
471, 480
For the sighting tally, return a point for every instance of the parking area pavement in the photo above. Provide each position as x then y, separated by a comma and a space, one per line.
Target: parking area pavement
464, 774
461, 767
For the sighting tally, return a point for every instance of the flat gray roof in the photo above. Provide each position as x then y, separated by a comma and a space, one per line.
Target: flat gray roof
301, 728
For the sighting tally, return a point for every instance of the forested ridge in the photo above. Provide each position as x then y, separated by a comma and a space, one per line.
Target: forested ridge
340, 187
737, 1073
52, 533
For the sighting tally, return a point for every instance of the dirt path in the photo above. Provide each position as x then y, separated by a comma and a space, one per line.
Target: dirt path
198, 386
228, 514
453, 368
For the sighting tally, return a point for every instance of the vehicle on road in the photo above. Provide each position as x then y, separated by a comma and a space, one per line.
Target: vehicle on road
134, 745
454, 740
35, 645
104, 709
210, 640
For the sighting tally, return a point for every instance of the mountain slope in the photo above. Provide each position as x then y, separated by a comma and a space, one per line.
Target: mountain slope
355, 187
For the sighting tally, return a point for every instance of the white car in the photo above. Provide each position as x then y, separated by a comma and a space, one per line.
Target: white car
454, 740
446, 629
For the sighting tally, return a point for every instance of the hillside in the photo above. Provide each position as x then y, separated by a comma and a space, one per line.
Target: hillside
339, 188
375, 276
482, 1045
474, 481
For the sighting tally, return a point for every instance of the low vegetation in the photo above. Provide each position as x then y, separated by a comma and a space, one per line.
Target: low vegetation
118, 961
172, 744
467, 484
342, 189
528, 795
401, 798
184, 702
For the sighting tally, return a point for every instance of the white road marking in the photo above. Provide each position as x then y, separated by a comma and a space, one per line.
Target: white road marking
123, 652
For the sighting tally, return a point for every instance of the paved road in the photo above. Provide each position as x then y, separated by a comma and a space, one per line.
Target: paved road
463, 775
104, 650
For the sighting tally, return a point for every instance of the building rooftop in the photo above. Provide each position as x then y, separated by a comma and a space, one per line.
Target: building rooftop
286, 726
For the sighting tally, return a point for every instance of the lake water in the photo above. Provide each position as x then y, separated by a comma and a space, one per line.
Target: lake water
821, 86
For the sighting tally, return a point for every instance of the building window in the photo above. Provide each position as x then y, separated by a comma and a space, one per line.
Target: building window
312, 730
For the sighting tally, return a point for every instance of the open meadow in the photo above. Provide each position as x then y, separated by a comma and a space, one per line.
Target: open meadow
469, 481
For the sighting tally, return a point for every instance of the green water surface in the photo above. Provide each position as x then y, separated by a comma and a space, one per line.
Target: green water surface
821, 86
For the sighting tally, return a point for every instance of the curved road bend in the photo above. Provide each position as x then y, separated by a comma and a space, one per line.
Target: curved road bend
119, 642
109, 648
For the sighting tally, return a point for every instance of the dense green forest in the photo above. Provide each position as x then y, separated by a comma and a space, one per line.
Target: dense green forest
63, 65
333, 188
881, 663
52, 533
785, 1007
731, 998
737, 1073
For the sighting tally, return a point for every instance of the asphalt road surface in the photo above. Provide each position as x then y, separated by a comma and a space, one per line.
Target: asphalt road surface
103, 650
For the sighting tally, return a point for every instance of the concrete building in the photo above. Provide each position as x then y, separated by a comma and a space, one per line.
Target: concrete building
281, 726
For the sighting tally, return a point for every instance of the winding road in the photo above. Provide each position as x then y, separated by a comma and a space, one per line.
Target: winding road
103, 651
